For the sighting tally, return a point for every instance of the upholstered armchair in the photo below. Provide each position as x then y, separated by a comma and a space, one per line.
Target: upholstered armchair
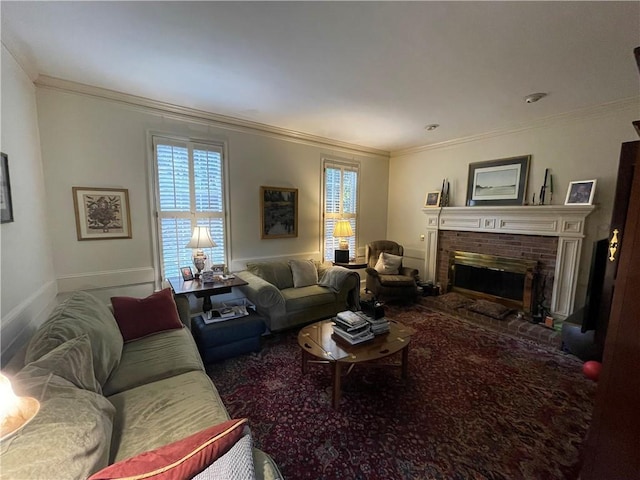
386, 277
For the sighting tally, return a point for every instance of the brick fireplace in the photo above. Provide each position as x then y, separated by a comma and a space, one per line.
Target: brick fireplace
549, 234
536, 248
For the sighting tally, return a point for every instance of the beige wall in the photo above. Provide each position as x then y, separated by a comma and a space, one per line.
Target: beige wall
93, 142
28, 286
575, 147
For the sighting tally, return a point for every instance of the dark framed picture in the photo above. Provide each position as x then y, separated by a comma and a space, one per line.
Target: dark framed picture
278, 212
187, 273
432, 200
581, 192
6, 205
498, 182
102, 213
218, 269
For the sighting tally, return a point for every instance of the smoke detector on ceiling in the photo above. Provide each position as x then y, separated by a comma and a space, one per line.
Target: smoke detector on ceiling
534, 97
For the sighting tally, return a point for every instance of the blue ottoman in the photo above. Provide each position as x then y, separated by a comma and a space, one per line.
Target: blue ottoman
229, 338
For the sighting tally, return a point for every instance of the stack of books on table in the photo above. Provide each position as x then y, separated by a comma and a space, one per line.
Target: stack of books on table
378, 325
352, 327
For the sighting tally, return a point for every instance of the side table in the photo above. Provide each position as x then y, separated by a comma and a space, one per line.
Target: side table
204, 290
354, 265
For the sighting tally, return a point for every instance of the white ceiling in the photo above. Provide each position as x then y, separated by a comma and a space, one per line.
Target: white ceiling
367, 73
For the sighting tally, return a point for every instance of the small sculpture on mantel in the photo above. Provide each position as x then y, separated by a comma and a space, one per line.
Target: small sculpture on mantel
444, 193
544, 189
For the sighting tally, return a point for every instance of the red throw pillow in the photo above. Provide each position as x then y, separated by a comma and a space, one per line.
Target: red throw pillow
178, 460
138, 317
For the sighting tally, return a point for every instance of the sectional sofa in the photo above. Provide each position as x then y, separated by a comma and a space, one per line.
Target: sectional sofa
124, 394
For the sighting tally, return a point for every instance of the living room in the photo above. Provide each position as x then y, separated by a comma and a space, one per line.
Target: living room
60, 133
77, 135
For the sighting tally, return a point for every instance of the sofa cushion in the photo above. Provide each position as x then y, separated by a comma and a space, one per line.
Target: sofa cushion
157, 413
139, 317
68, 438
307, 297
304, 273
153, 358
388, 263
396, 281
72, 361
276, 273
80, 314
181, 459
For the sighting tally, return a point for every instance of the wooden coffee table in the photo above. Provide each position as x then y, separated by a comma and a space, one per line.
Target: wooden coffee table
320, 345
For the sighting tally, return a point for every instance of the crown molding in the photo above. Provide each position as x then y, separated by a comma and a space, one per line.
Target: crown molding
195, 115
575, 115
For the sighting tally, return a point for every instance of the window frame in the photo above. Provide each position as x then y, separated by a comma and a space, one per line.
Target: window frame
160, 275
344, 165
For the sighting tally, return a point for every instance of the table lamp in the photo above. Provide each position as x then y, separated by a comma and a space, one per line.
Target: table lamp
342, 230
15, 412
199, 240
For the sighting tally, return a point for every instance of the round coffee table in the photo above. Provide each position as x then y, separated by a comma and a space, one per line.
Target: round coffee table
320, 345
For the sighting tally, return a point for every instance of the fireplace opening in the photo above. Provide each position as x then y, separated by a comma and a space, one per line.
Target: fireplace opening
510, 281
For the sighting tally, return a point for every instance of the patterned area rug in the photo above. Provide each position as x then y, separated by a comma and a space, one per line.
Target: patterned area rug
477, 405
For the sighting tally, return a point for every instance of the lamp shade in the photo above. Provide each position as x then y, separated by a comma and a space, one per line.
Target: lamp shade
342, 228
201, 239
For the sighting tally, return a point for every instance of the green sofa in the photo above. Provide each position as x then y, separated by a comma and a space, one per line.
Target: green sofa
289, 293
104, 400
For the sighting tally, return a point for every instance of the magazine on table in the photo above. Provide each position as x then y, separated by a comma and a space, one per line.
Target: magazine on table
225, 312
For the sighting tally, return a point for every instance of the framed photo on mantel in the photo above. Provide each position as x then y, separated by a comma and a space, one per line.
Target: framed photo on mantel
432, 200
581, 192
498, 182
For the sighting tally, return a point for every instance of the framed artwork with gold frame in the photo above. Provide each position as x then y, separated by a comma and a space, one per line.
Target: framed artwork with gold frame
278, 212
102, 213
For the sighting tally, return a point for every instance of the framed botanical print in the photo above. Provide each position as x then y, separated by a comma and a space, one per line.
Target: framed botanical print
102, 213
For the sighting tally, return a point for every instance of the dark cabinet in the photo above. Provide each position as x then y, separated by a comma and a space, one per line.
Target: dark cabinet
612, 447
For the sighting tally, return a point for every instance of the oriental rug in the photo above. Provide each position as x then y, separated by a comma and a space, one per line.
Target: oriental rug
478, 404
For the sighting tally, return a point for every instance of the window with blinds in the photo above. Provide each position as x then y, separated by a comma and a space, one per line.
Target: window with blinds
340, 202
189, 193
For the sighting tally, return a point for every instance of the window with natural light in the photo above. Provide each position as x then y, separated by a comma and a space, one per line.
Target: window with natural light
340, 202
189, 193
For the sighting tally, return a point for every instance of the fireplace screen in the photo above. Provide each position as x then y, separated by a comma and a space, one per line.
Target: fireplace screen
510, 281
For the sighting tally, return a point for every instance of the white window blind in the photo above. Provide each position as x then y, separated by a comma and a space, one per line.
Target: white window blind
340, 202
190, 192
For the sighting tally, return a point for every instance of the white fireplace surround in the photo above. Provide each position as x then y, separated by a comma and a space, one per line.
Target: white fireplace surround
563, 221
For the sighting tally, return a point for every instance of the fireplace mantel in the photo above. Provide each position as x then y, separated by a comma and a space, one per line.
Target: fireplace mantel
563, 221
